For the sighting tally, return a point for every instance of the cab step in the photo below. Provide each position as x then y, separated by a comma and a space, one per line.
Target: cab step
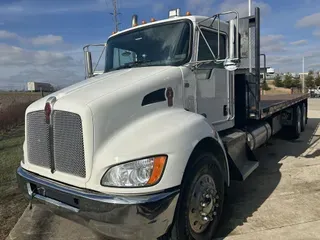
242, 161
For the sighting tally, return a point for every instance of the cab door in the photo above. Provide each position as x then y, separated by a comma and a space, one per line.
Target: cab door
213, 81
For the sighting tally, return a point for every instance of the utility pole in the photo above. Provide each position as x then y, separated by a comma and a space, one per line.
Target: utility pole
303, 81
116, 23
115, 15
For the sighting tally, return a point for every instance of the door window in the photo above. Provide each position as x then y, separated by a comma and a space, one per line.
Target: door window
212, 39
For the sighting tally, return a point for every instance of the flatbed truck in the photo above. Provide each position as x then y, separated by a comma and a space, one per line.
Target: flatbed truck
147, 148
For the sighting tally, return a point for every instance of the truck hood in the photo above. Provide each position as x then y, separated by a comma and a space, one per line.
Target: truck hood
91, 89
106, 104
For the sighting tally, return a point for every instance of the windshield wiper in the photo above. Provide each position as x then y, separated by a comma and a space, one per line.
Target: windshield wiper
133, 64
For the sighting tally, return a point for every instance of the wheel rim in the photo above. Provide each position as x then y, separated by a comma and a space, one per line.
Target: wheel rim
204, 204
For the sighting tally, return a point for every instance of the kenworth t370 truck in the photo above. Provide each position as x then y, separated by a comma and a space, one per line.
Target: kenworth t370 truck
146, 148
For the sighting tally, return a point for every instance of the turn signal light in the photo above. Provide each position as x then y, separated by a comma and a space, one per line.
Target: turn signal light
188, 13
153, 19
158, 167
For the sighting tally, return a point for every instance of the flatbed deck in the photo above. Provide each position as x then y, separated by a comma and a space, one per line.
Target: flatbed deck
270, 104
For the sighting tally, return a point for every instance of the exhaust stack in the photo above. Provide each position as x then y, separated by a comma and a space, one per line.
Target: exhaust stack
134, 20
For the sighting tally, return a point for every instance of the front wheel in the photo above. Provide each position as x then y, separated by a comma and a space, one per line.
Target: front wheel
201, 200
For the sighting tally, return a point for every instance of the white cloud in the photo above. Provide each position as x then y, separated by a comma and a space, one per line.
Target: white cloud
292, 61
309, 21
316, 33
47, 40
299, 43
314, 66
39, 40
16, 56
20, 65
8, 35
64, 77
272, 43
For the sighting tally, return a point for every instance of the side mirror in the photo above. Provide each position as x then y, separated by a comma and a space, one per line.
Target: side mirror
230, 64
88, 64
91, 71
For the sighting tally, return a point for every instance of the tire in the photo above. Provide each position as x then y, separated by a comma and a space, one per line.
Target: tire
303, 116
295, 129
202, 191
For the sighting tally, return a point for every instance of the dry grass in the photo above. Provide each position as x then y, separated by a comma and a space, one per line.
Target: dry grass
12, 108
12, 112
276, 90
12, 202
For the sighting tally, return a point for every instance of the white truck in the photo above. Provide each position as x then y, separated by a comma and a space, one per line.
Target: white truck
315, 92
146, 149
39, 86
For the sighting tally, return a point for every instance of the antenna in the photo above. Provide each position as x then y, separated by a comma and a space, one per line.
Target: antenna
115, 15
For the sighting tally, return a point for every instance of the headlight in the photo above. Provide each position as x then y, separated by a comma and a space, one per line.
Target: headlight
138, 173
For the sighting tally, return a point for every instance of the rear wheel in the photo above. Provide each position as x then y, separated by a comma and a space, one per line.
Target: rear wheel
294, 131
201, 200
303, 116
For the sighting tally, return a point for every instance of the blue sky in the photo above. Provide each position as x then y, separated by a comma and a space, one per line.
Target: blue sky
42, 40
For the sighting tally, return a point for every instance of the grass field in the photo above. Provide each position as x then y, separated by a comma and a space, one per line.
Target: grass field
12, 203
276, 90
13, 106
12, 111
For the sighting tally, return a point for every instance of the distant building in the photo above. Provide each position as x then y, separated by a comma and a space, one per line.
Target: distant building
269, 72
301, 75
39, 86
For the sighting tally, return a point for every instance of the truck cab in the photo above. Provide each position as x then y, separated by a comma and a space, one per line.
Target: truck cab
145, 148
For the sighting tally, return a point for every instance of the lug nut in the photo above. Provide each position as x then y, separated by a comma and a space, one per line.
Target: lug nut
217, 205
203, 214
203, 204
205, 219
207, 196
215, 213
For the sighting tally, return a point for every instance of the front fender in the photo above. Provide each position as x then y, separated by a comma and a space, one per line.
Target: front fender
174, 132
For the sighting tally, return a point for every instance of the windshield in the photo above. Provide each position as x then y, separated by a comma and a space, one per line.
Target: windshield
158, 45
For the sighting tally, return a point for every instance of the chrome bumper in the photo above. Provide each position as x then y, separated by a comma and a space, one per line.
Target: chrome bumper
135, 217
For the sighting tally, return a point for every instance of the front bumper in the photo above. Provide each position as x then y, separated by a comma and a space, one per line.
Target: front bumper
124, 217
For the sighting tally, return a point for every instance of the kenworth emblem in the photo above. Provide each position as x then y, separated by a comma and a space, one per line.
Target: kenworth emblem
48, 109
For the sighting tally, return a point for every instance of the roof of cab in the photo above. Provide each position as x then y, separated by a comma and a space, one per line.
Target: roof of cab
171, 19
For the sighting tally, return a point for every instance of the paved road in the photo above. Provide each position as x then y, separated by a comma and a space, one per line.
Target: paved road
280, 200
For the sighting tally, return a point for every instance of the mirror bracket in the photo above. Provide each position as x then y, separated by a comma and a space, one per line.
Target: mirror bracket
88, 66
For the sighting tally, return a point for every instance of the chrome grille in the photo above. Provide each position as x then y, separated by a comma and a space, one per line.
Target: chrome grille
67, 150
38, 144
68, 143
